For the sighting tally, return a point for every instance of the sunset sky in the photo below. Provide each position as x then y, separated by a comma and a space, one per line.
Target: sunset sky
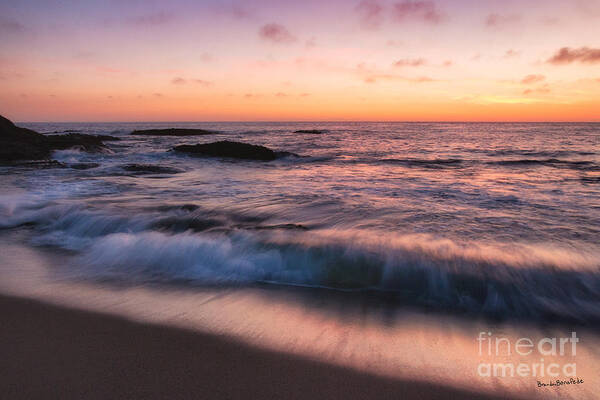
143, 60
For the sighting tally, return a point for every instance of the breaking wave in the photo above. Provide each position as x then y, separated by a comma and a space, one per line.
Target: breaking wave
504, 280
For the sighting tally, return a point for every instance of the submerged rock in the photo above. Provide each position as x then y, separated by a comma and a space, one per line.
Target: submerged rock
150, 169
84, 166
229, 149
35, 164
173, 132
311, 131
274, 227
90, 143
17, 144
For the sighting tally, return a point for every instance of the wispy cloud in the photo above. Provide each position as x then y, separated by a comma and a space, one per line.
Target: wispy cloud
394, 43
370, 13
239, 12
202, 82
310, 43
540, 90
182, 81
8, 26
408, 62
417, 9
206, 57
276, 33
152, 19
529, 79
567, 55
495, 20
391, 77
511, 53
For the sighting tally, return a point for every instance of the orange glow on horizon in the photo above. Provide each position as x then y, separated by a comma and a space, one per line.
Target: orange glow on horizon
281, 61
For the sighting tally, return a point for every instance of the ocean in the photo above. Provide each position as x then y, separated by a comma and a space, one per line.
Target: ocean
492, 222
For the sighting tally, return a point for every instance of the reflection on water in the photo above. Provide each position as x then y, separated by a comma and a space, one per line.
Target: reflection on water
485, 222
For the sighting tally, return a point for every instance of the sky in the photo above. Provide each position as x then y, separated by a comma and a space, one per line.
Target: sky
267, 60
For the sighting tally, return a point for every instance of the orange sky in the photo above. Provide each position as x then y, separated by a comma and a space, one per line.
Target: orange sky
461, 60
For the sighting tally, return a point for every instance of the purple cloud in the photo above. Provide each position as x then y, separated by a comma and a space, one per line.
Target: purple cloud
10, 26
182, 81
276, 33
202, 82
498, 20
310, 43
417, 9
567, 55
511, 53
158, 18
529, 79
370, 13
206, 57
407, 62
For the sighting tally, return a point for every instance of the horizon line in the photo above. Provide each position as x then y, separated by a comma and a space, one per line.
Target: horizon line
313, 121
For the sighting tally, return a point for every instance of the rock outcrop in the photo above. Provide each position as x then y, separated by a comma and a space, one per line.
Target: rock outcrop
229, 149
311, 131
140, 169
21, 144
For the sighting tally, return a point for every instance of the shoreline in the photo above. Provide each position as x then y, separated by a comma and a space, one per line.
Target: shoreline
57, 352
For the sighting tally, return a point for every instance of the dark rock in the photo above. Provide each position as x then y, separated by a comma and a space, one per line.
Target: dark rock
65, 131
21, 143
184, 207
590, 179
35, 164
150, 169
311, 131
105, 138
90, 143
84, 165
173, 132
279, 226
18, 144
229, 149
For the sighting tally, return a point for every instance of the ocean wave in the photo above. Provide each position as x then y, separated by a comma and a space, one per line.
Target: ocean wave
528, 282
534, 153
178, 245
424, 163
551, 162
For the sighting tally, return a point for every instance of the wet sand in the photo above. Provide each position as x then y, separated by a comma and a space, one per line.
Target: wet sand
54, 352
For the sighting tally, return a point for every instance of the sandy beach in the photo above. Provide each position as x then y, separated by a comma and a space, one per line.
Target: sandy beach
53, 352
